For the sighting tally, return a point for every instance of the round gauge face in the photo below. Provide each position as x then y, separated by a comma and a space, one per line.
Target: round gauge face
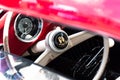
27, 28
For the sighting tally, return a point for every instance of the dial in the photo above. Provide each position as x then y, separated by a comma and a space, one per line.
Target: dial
27, 28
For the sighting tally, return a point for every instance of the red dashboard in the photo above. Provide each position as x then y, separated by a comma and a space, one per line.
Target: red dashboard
18, 46
72, 37
101, 16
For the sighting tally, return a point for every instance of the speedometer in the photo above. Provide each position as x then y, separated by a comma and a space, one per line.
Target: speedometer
27, 28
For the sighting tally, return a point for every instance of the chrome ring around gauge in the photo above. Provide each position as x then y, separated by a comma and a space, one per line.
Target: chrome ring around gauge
27, 28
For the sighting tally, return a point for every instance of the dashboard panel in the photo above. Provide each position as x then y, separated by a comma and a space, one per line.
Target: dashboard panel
19, 46
25, 31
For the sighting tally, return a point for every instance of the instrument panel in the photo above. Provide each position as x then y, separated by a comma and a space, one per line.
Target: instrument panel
24, 31
27, 28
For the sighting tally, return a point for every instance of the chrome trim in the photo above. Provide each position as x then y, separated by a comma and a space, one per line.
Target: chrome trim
40, 26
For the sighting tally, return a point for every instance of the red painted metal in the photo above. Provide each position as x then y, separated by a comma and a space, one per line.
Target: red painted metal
101, 16
16, 46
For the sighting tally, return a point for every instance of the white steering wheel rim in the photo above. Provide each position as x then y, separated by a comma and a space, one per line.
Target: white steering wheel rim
105, 52
104, 59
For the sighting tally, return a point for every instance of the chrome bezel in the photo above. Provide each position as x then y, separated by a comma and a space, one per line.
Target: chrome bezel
35, 37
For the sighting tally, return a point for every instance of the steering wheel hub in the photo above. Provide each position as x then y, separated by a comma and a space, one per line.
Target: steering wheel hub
61, 40
57, 40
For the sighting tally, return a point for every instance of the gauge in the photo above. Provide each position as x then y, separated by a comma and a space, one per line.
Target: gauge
27, 28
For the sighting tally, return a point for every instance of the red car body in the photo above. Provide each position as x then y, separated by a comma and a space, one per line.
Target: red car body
101, 16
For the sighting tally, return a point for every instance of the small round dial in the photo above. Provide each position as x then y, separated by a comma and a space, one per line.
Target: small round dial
27, 28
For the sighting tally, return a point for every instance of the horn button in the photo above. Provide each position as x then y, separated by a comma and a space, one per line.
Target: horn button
61, 40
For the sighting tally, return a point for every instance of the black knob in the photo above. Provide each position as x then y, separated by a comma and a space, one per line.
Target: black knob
60, 40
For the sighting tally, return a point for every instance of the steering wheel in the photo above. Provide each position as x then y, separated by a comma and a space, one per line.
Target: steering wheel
52, 50
55, 44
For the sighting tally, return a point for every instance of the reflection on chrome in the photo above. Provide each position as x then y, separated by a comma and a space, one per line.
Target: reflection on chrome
6, 73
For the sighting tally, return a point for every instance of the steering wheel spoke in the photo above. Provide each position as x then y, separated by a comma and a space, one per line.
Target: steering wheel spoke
79, 37
46, 57
57, 42
50, 54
